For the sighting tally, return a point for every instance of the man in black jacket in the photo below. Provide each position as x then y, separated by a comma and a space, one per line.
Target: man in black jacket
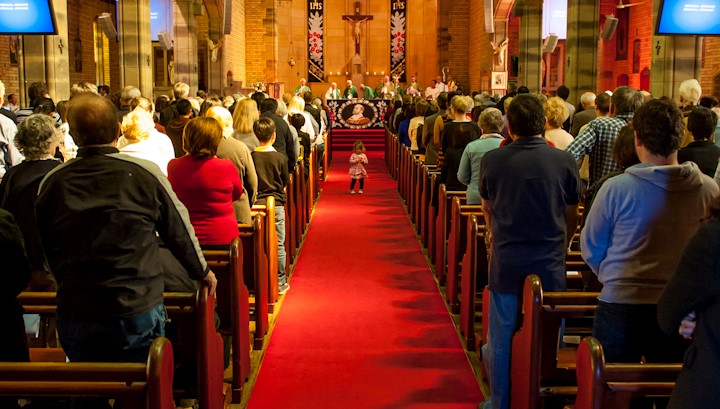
283, 138
103, 219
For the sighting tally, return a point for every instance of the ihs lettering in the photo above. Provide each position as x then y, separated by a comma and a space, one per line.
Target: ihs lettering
398, 5
315, 5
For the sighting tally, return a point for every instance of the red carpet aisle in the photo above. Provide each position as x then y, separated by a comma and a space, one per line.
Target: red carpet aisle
363, 325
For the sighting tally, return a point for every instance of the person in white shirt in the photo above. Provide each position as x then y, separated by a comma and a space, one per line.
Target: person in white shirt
432, 91
141, 140
9, 154
12, 103
332, 93
440, 84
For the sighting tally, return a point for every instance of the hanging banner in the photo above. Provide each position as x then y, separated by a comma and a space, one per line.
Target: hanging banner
316, 40
398, 14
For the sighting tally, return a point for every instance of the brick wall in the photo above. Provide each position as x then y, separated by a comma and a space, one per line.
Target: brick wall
8, 71
457, 17
481, 55
711, 66
254, 42
234, 50
639, 28
81, 16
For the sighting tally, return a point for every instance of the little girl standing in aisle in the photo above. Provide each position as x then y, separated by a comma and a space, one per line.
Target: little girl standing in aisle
357, 169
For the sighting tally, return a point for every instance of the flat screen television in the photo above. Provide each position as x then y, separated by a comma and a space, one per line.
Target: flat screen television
27, 17
160, 18
689, 17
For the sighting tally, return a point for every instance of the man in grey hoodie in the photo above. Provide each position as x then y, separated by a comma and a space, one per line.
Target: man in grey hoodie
636, 231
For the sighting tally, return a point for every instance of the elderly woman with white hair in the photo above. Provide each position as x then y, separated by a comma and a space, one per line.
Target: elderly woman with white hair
141, 140
37, 138
491, 122
690, 93
240, 155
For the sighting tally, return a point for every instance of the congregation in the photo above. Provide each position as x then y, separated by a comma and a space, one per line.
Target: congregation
633, 172
111, 202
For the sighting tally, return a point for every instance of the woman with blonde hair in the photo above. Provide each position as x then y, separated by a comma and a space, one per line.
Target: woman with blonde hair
141, 140
556, 113
244, 117
239, 154
205, 184
297, 106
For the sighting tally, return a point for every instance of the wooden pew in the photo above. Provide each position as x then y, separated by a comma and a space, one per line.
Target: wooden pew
432, 219
474, 276
457, 244
299, 210
539, 368
271, 249
138, 385
290, 207
198, 349
234, 310
425, 199
602, 385
442, 230
255, 265
413, 188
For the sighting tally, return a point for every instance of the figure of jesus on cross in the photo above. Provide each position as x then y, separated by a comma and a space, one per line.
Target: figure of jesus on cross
356, 19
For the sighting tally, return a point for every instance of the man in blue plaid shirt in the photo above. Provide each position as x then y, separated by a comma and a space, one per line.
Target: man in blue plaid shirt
598, 138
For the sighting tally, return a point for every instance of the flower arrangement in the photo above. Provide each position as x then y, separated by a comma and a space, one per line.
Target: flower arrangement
259, 86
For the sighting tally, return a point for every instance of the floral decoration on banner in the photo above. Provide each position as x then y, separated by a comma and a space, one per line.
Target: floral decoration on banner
316, 43
398, 19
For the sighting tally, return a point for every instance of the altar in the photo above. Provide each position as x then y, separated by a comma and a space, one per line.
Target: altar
358, 113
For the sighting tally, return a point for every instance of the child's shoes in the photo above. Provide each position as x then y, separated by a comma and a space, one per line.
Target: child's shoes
360, 191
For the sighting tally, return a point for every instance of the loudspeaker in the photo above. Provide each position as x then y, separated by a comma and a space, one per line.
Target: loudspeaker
489, 17
107, 25
609, 28
550, 43
165, 41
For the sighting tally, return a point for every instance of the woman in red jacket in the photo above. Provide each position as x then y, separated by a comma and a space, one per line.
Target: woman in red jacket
205, 184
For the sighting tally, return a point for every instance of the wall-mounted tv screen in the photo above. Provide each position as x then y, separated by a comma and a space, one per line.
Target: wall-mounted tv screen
689, 17
160, 18
27, 17
554, 18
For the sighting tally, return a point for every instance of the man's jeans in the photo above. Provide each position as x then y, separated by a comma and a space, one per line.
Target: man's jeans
280, 231
111, 339
496, 352
628, 332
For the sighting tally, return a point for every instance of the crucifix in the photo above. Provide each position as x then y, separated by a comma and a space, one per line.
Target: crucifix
356, 19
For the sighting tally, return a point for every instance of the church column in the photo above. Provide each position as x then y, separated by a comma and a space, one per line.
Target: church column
582, 47
185, 44
674, 60
530, 44
45, 58
135, 45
